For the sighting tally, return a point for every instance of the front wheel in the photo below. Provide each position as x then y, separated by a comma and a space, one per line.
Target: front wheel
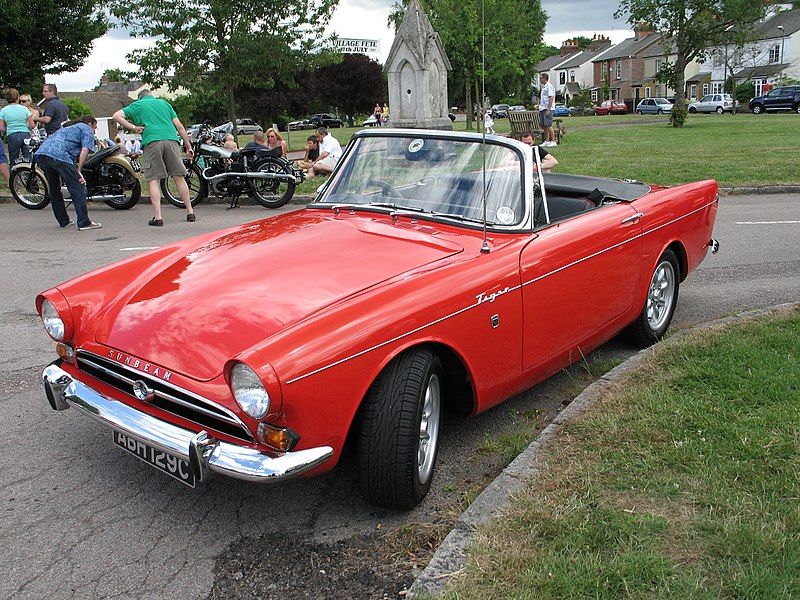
29, 187
272, 193
198, 189
127, 189
662, 297
399, 436
660, 112
720, 110
758, 109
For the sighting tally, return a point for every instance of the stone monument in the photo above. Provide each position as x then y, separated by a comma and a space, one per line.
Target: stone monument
417, 70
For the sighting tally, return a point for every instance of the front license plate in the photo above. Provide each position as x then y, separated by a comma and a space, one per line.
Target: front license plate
166, 463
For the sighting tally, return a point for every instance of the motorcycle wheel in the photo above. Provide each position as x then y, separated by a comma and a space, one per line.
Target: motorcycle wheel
29, 188
198, 188
272, 193
131, 188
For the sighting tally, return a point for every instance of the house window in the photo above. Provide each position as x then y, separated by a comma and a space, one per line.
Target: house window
759, 85
562, 77
775, 54
647, 92
618, 69
693, 91
572, 75
716, 88
659, 62
705, 89
594, 95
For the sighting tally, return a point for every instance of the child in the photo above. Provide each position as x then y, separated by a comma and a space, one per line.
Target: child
312, 152
488, 122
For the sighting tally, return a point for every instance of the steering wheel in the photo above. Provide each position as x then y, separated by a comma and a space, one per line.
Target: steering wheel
386, 188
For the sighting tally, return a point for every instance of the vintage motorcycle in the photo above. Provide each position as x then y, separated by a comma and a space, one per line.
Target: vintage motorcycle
213, 169
109, 176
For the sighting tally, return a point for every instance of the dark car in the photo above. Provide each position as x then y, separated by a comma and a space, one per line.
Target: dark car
499, 111
325, 120
779, 98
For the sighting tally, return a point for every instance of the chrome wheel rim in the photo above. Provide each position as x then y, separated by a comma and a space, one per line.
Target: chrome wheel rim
429, 429
661, 295
25, 179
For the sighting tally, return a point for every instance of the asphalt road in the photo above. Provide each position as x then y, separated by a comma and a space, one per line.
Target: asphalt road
81, 518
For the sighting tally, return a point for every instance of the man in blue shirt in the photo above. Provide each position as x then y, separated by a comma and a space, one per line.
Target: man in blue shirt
55, 112
57, 156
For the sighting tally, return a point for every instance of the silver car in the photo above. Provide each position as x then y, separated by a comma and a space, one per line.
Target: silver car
653, 106
247, 127
718, 103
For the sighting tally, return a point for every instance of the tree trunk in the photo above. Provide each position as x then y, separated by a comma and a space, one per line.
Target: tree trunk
468, 101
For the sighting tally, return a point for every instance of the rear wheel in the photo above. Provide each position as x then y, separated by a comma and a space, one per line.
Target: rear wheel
198, 189
797, 108
662, 297
29, 188
692, 110
399, 435
273, 193
128, 188
638, 112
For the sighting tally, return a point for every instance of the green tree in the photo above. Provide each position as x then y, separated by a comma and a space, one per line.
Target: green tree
694, 27
583, 41
46, 37
77, 107
218, 45
114, 75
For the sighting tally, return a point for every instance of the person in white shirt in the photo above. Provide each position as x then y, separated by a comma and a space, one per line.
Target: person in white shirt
547, 99
133, 146
329, 154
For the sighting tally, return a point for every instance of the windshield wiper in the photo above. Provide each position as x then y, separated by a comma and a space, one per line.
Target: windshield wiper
394, 206
458, 217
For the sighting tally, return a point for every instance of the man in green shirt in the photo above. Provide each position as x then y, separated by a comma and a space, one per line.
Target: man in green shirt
160, 127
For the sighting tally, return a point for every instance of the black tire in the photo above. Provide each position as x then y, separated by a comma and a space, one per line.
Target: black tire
272, 193
659, 306
796, 108
131, 187
692, 110
720, 110
659, 112
403, 406
638, 112
757, 109
29, 188
198, 188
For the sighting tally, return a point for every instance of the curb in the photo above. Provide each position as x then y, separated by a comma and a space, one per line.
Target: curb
451, 557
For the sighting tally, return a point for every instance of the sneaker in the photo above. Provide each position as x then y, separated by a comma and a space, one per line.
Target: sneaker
156, 222
91, 225
70, 224
191, 217
551, 144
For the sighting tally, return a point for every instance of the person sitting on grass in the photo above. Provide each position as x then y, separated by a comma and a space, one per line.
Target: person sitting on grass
330, 151
312, 153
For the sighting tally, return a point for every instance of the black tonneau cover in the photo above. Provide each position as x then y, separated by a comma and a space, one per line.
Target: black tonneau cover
580, 185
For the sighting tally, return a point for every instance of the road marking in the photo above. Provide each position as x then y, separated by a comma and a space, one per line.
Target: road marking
137, 249
768, 222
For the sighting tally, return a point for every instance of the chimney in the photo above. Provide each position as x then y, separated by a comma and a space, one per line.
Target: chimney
104, 79
569, 47
599, 42
642, 30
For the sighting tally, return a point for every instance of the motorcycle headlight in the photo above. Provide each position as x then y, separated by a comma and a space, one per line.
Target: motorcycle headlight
53, 323
249, 391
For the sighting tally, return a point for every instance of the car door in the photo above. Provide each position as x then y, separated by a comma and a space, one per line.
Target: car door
702, 106
785, 98
577, 276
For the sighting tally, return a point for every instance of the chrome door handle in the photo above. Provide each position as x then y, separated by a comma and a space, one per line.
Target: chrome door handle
632, 218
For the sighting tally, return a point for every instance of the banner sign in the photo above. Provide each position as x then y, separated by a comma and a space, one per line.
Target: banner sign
354, 46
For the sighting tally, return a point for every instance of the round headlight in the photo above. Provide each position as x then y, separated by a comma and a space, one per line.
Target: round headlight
249, 392
52, 322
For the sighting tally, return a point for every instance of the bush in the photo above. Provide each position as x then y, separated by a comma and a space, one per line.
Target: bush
77, 107
677, 116
745, 91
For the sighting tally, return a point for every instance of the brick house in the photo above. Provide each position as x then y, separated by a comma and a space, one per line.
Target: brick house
620, 70
576, 73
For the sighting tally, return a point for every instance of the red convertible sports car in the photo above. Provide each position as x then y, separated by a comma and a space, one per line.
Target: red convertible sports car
433, 271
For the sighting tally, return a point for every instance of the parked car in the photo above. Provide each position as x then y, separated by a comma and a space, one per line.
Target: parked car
516, 107
653, 106
499, 111
718, 103
560, 110
325, 120
247, 127
401, 291
300, 124
779, 98
611, 107
581, 111
372, 121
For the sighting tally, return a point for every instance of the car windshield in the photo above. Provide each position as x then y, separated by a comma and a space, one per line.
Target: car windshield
440, 177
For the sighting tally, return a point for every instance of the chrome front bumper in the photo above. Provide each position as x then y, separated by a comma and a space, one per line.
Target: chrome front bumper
203, 453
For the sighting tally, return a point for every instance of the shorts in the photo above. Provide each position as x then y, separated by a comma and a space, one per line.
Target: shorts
162, 158
3, 158
329, 161
545, 118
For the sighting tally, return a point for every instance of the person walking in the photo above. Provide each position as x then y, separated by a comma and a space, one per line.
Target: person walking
17, 122
547, 99
55, 112
56, 157
161, 130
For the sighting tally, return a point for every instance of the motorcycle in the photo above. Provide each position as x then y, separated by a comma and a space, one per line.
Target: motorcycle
213, 169
109, 176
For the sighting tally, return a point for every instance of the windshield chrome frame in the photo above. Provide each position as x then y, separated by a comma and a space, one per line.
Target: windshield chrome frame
522, 151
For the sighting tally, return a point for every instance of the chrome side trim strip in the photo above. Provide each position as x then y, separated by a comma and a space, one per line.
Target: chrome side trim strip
511, 289
204, 454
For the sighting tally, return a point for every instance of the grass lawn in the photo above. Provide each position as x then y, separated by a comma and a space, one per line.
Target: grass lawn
683, 482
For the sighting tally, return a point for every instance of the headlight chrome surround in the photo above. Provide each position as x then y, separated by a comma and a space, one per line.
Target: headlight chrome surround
53, 323
249, 391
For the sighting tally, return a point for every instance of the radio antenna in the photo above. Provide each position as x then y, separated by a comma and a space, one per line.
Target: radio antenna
485, 249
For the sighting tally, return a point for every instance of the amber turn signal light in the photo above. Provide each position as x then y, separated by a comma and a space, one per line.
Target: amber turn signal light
280, 439
65, 352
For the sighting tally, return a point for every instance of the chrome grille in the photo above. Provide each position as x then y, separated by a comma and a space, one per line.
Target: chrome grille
167, 397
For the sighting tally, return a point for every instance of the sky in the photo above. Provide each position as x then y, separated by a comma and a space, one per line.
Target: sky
363, 19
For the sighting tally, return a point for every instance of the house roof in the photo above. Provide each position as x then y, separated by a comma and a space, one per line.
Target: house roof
554, 61
629, 47
573, 87
760, 71
121, 86
699, 77
788, 19
657, 50
582, 57
102, 104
